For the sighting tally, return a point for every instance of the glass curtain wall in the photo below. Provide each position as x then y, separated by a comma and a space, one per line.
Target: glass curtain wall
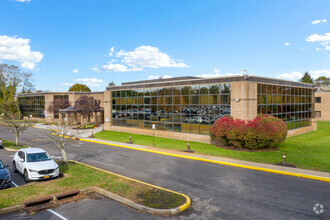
189, 109
32, 105
294, 105
60, 97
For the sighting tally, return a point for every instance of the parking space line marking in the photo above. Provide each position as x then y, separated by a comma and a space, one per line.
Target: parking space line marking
14, 183
58, 215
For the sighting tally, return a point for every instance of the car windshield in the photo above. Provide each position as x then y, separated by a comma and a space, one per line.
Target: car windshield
1, 165
38, 157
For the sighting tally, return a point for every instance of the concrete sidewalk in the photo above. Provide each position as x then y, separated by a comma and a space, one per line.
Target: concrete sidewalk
214, 159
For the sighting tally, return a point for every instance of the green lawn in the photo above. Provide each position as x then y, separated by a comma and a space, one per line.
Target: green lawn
12, 145
80, 176
307, 151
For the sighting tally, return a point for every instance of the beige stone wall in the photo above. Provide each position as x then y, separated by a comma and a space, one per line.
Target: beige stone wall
107, 110
165, 134
244, 100
49, 116
303, 130
324, 106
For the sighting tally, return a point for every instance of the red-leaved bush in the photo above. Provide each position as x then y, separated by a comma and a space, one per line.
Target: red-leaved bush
264, 131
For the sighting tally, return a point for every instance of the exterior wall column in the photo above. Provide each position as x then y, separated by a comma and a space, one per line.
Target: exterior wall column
107, 109
81, 119
95, 117
67, 118
60, 118
74, 118
244, 100
49, 116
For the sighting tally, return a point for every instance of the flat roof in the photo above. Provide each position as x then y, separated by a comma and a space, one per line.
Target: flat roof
199, 81
56, 93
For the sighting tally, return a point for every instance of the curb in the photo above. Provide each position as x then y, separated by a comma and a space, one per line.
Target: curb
173, 211
132, 204
10, 149
15, 208
108, 194
306, 176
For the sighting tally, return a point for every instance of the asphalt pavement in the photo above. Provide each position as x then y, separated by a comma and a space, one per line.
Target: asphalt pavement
217, 191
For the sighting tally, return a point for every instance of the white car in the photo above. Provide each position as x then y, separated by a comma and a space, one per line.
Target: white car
35, 164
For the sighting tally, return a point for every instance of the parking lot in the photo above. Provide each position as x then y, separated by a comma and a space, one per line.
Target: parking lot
84, 209
7, 159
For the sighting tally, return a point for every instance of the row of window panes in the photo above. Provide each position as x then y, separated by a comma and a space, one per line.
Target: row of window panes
186, 90
283, 90
278, 99
176, 127
177, 100
32, 105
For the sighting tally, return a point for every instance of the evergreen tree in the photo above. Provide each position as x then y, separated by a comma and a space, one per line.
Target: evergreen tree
307, 78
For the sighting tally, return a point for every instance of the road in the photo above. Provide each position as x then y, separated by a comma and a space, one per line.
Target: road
217, 191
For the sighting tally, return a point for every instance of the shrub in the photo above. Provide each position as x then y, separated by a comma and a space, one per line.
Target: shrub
264, 131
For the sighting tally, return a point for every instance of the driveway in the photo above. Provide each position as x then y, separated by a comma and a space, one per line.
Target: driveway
217, 191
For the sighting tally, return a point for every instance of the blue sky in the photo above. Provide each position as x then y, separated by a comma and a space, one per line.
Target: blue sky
94, 42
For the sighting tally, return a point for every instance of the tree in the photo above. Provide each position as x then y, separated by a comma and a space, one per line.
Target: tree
58, 104
79, 88
12, 119
86, 105
62, 136
13, 80
322, 81
307, 78
111, 83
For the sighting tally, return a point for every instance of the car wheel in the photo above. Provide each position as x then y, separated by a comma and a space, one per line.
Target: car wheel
26, 176
14, 167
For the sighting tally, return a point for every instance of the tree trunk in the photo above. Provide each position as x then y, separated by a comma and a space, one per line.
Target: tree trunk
65, 159
17, 141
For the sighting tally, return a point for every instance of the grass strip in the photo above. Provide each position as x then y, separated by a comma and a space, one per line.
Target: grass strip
80, 176
306, 151
12, 145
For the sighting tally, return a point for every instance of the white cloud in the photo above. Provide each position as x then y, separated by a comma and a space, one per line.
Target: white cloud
112, 50
322, 39
157, 77
140, 58
318, 38
92, 82
96, 69
75, 71
28, 65
317, 73
23, 0
294, 76
216, 74
319, 21
318, 49
115, 67
287, 44
291, 76
19, 49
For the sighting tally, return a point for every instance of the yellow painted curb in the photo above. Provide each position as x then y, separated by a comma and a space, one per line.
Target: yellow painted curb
325, 179
182, 207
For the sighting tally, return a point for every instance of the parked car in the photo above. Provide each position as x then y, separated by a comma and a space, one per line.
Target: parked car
5, 178
35, 164
190, 120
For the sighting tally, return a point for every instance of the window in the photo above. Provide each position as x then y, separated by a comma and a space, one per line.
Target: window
317, 99
293, 105
317, 114
190, 109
